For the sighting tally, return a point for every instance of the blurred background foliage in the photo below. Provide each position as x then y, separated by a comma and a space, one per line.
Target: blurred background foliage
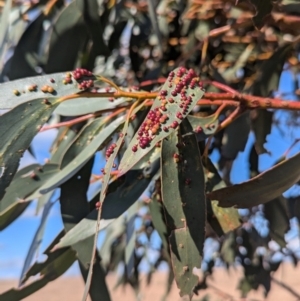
243, 44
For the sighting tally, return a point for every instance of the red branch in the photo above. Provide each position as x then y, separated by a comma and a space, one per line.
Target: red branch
255, 102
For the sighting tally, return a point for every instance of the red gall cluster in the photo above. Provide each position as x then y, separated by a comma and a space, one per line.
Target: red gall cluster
86, 84
198, 129
184, 80
150, 127
79, 73
174, 124
110, 150
187, 80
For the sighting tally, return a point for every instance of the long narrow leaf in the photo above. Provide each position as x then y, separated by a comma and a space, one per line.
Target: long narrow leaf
183, 196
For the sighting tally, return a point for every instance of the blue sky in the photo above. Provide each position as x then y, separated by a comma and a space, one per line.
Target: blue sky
15, 239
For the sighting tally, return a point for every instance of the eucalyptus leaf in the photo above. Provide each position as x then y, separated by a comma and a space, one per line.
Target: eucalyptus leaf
81, 159
18, 127
184, 202
115, 204
262, 188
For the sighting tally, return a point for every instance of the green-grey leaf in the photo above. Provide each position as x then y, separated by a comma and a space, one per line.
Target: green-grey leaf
18, 127
25, 57
4, 25
55, 265
262, 188
24, 184
9, 99
263, 8
115, 204
228, 218
12, 214
82, 106
183, 195
276, 212
203, 126
37, 239
73, 166
158, 222
68, 37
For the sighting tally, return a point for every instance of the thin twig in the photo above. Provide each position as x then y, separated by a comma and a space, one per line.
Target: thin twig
221, 86
233, 116
288, 288
102, 197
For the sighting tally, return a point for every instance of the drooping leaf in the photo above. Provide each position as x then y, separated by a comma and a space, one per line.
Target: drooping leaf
203, 126
171, 110
115, 204
253, 162
228, 249
106, 178
71, 167
17, 197
255, 275
62, 263
98, 286
113, 231
270, 71
130, 239
53, 267
228, 218
276, 212
267, 81
39, 266
18, 127
74, 207
262, 188
235, 137
37, 239
63, 141
82, 106
263, 8
183, 198
25, 182
4, 25
114, 39
158, 222
12, 214
18, 91
230, 74
90, 11
68, 37
25, 60
262, 125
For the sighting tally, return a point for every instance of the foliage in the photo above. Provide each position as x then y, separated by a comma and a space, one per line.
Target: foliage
172, 82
